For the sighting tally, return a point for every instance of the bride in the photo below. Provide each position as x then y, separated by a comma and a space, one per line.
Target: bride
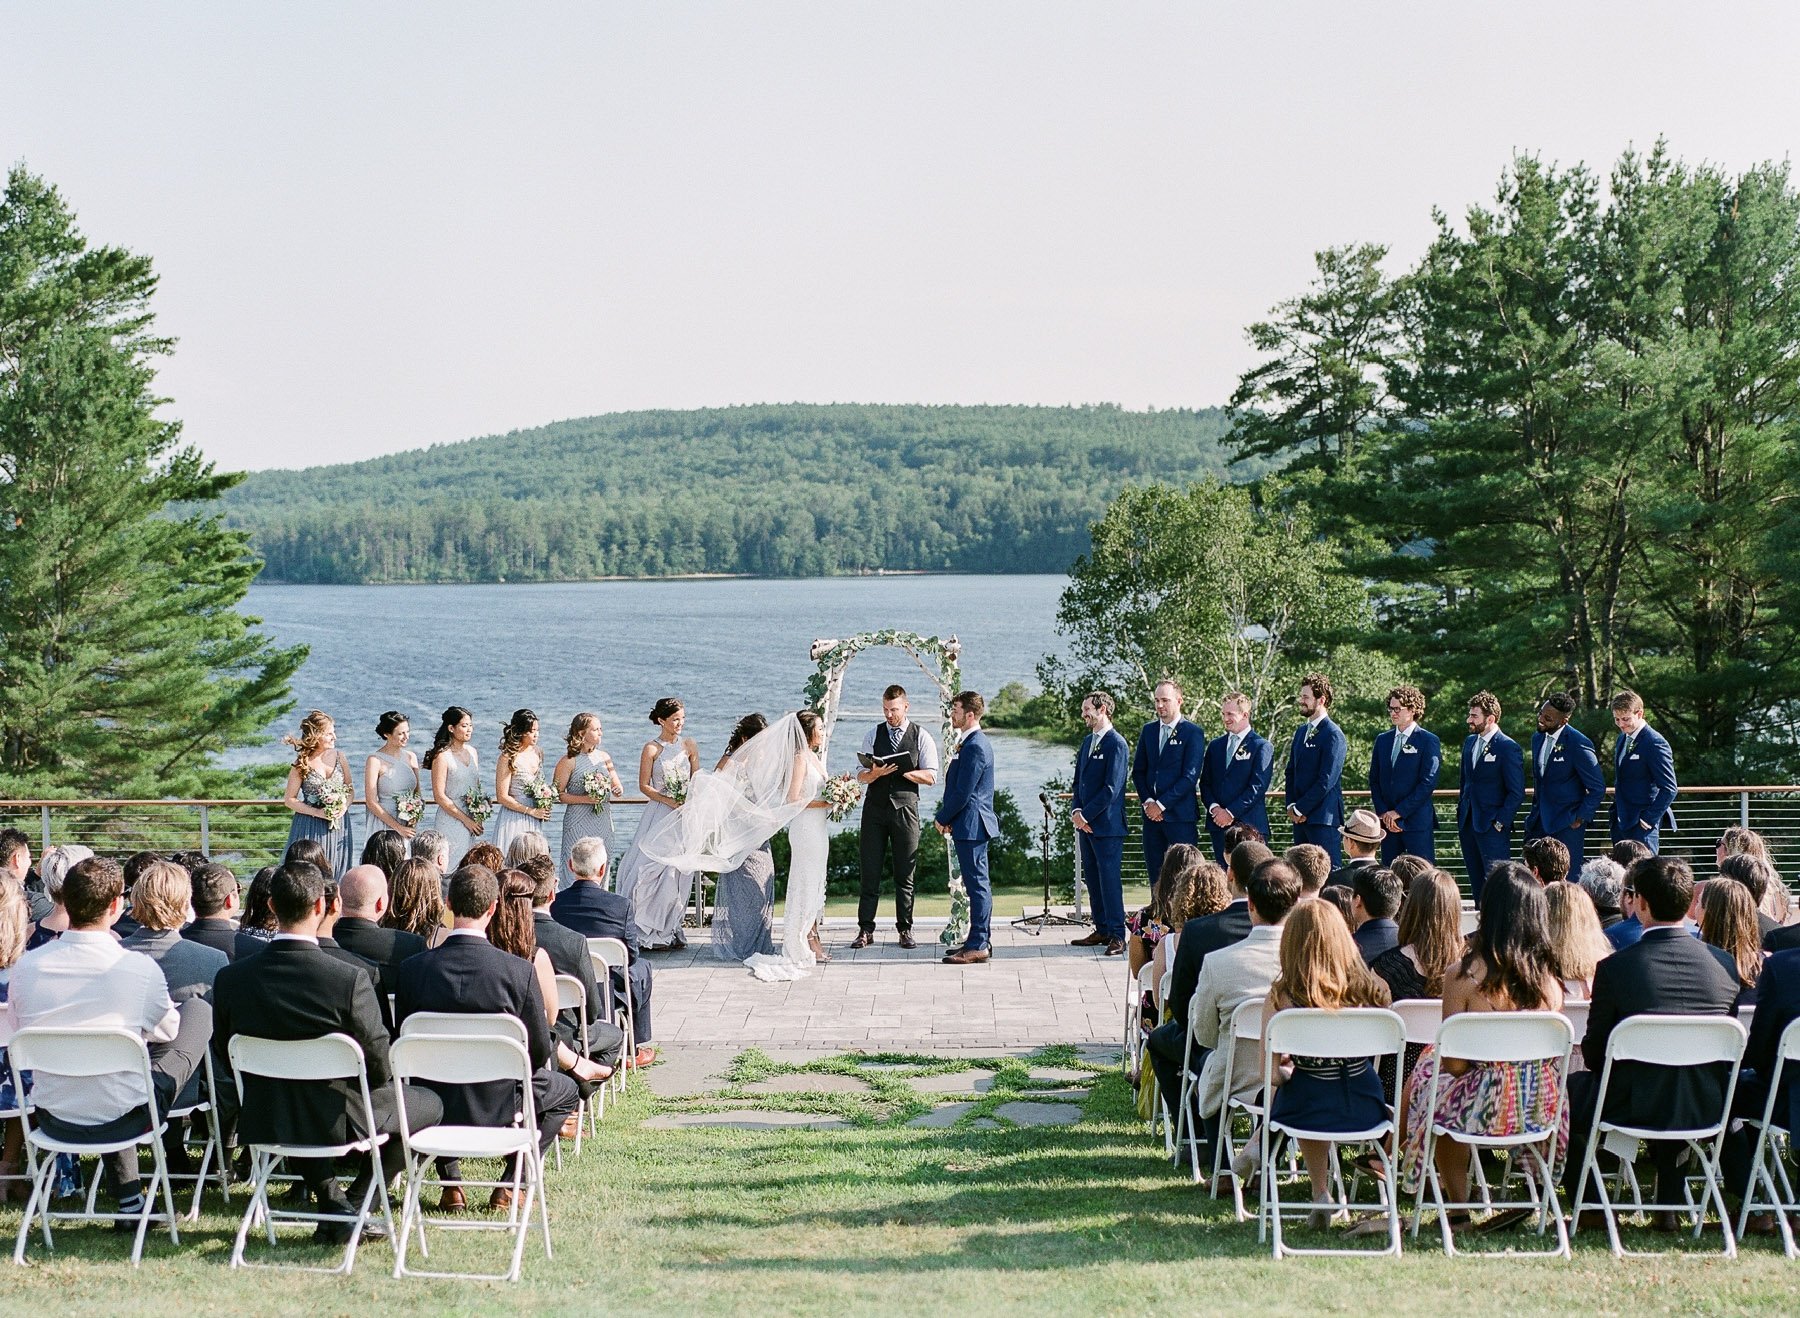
771, 782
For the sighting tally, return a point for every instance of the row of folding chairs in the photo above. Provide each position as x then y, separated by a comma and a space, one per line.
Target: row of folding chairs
441, 1047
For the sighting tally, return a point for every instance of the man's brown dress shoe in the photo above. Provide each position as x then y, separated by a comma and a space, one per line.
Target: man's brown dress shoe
966, 957
862, 940
907, 941
451, 1200
1116, 947
501, 1200
1094, 939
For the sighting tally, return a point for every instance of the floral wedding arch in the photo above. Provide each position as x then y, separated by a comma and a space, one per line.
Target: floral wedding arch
938, 659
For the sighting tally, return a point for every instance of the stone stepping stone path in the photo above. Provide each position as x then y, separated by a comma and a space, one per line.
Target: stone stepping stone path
807, 1083
940, 1117
954, 1082
746, 1120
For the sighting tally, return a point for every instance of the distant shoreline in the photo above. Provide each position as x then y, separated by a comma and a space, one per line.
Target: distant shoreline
680, 576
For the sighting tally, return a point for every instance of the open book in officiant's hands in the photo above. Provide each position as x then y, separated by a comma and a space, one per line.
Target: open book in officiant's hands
901, 760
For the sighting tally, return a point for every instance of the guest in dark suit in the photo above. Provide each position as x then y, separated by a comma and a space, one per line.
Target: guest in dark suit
1565, 774
1490, 790
1375, 901
1097, 807
1644, 784
1235, 775
1403, 773
1666, 972
294, 990
591, 911
214, 893
468, 974
966, 817
363, 897
1168, 1041
568, 953
1165, 773
1315, 771
1778, 1006
1362, 839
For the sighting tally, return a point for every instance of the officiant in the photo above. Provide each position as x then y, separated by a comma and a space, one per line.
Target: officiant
898, 757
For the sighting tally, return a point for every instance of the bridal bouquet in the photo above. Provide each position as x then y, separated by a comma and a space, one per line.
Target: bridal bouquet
840, 795
476, 806
334, 800
409, 807
597, 783
540, 793
675, 782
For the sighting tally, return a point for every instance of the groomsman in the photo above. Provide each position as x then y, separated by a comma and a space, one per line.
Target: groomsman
1315, 771
1234, 777
1491, 789
1565, 775
1403, 772
1643, 775
1166, 774
966, 817
1099, 816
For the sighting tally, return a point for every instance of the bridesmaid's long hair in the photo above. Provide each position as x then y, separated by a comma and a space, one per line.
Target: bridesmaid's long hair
578, 729
311, 739
747, 727
514, 732
442, 741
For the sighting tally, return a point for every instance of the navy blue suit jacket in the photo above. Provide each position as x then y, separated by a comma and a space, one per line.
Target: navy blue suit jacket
1493, 790
1099, 788
1643, 783
1241, 786
1406, 785
967, 809
593, 912
1570, 787
1777, 1006
1315, 774
1171, 776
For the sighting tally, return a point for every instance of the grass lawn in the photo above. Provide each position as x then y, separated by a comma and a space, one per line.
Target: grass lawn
878, 1217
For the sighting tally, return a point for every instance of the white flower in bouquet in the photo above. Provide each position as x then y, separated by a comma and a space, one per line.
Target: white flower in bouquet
334, 799
675, 782
541, 794
409, 807
840, 795
597, 783
477, 806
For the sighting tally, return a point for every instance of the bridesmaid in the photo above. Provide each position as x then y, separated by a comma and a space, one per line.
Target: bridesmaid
658, 894
745, 913
520, 762
318, 762
582, 819
390, 770
455, 770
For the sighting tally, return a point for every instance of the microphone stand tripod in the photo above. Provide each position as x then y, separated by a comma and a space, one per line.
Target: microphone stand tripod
1036, 924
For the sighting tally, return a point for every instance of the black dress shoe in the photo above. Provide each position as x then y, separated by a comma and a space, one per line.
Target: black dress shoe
907, 941
863, 939
1095, 939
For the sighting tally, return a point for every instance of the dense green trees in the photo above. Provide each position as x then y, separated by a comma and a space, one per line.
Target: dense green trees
784, 490
124, 665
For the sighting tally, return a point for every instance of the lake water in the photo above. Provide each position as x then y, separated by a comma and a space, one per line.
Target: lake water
725, 647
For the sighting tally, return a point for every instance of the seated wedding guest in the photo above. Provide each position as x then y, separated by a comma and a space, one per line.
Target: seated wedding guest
1777, 1007
1740, 841
1547, 858
1727, 920
1229, 975
1312, 863
15, 926
486, 855
1203, 890
310, 850
430, 845
1238, 834
523, 847
1756, 876
386, 851
1577, 943
1408, 867
295, 990
87, 978
258, 925
1341, 899
1429, 939
1626, 854
1362, 840
362, 901
15, 862
568, 952
1146, 928
132, 868
53, 867
1507, 968
1321, 967
1604, 883
586, 907
161, 900
1666, 972
514, 929
1375, 899
468, 974
328, 943
213, 893
416, 902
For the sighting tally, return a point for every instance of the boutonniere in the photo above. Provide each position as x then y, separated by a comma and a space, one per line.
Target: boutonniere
1309, 736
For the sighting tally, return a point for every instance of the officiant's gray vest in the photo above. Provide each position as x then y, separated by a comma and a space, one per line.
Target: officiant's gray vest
895, 789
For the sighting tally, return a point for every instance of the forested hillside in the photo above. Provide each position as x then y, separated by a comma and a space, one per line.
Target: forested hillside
778, 490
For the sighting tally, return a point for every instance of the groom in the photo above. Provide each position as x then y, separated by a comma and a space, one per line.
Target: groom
966, 817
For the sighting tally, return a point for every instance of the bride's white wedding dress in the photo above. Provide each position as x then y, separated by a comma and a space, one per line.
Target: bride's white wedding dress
805, 899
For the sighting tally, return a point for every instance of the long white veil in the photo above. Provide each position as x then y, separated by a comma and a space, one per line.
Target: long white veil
730, 813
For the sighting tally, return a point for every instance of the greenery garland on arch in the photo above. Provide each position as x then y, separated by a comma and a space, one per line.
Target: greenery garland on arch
824, 691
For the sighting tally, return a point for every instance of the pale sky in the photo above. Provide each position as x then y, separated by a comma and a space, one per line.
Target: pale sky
381, 226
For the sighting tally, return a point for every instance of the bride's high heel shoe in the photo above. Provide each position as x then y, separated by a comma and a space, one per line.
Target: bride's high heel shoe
820, 955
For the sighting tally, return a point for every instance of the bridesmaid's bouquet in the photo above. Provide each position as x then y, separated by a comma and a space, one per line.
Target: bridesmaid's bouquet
840, 795
477, 807
597, 784
409, 808
540, 793
334, 800
675, 782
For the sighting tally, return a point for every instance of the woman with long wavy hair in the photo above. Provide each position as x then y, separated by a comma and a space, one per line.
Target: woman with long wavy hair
585, 814
319, 792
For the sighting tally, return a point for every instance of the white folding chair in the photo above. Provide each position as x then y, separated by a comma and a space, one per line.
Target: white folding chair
329, 1057
468, 1060
1491, 1038
1676, 1041
1423, 1016
212, 1152
85, 1053
1352, 1033
1134, 1019
572, 996
608, 954
1575, 1011
499, 1024
1246, 1023
1768, 1166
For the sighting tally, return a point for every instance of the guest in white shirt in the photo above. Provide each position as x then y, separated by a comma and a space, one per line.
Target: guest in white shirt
85, 978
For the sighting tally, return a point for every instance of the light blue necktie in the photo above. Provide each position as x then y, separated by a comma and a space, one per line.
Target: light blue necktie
1399, 741
1231, 745
1163, 745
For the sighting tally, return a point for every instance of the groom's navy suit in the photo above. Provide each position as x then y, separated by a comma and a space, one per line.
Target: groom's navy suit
1169, 774
1315, 773
1099, 793
967, 810
1240, 784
